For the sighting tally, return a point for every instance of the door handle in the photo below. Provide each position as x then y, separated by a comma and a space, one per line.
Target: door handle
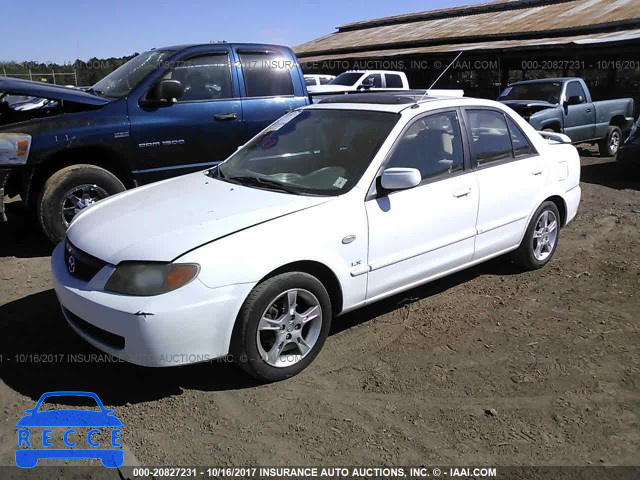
537, 172
462, 193
226, 116
588, 110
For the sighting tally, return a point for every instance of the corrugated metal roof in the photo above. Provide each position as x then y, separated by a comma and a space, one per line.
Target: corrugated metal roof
490, 45
489, 22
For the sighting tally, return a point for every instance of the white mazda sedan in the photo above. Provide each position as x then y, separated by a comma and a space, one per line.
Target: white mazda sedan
332, 207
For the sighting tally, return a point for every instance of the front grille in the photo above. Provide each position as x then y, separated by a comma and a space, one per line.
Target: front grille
107, 338
80, 264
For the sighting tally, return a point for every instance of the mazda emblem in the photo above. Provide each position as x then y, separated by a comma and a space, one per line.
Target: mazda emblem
71, 262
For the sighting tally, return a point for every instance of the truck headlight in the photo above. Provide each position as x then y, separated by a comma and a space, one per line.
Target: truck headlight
14, 148
149, 278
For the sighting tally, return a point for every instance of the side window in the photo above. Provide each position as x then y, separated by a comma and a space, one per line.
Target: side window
432, 144
491, 139
521, 145
325, 80
204, 78
393, 80
266, 74
309, 81
375, 80
574, 89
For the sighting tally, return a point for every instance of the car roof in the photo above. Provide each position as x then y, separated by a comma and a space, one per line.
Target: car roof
233, 44
396, 102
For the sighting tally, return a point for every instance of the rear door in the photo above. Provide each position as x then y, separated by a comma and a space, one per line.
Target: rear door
510, 175
203, 127
579, 119
271, 85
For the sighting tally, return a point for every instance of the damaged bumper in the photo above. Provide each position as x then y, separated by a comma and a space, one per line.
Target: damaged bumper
14, 151
4, 178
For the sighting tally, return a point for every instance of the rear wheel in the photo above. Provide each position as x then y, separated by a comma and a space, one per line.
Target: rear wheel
540, 239
70, 190
282, 326
610, 144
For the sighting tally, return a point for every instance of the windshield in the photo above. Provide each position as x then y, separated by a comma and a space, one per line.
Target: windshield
347, 79
545, 91
321, 152
121, 81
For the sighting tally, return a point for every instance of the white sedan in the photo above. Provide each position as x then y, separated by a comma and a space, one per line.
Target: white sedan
332, 207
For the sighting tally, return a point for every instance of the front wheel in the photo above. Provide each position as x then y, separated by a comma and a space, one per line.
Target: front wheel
70, 190
282, 326
540, 239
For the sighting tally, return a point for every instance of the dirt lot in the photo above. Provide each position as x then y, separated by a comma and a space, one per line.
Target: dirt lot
555, 353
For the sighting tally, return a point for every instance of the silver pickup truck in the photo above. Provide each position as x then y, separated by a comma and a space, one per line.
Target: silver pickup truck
564, 105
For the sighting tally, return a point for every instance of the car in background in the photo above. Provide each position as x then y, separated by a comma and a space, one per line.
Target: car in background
629, 154
167, 111
564, 105
355, 80
351, 200
312, 80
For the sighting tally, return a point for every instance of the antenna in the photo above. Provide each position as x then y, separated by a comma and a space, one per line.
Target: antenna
440, 76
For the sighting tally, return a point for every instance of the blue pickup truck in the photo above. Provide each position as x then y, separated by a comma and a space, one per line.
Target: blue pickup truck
564, 105
166, 112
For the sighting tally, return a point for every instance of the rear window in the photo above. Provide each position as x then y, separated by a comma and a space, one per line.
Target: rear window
266, 74
393, 80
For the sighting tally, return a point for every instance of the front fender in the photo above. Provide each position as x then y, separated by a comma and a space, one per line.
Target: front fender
315, 234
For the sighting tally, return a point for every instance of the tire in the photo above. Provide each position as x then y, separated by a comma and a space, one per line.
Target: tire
270, 344
539, 242
610, 144
60, 199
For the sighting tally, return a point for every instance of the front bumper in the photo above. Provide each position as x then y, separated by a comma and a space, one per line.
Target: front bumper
189, 325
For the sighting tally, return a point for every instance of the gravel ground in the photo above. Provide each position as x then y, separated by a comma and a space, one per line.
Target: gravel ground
489, 366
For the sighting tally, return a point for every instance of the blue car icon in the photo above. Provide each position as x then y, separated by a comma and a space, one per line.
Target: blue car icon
32, 448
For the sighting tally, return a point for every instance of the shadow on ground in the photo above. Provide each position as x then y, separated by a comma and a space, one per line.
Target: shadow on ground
21, 235
40, 352
609, 174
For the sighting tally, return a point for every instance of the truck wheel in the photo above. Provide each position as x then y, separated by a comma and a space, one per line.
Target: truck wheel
70, 190
610, 144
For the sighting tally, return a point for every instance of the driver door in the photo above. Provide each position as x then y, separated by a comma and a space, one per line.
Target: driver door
202, 128
427, 230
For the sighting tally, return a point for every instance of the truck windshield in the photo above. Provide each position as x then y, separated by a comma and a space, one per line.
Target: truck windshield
317, 152
545, 91
347, 79
121, 81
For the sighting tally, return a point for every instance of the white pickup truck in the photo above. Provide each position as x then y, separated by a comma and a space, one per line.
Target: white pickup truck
354, 80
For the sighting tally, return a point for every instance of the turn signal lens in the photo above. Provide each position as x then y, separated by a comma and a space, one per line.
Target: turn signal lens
147, 279
21, 147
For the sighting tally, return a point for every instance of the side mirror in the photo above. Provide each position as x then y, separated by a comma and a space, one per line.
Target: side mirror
366, 84
399, 178
575, 100
165, 92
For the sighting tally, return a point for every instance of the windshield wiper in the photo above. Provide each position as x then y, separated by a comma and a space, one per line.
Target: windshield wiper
263, 182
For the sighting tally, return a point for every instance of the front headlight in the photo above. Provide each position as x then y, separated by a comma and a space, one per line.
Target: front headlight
147, 278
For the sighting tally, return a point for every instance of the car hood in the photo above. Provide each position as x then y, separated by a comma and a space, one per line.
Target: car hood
528, 104
162, 221
15, 86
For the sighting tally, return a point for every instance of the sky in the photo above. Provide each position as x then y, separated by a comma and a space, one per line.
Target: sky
61, 31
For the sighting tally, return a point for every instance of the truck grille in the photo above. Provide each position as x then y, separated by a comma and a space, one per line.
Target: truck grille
79, 264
